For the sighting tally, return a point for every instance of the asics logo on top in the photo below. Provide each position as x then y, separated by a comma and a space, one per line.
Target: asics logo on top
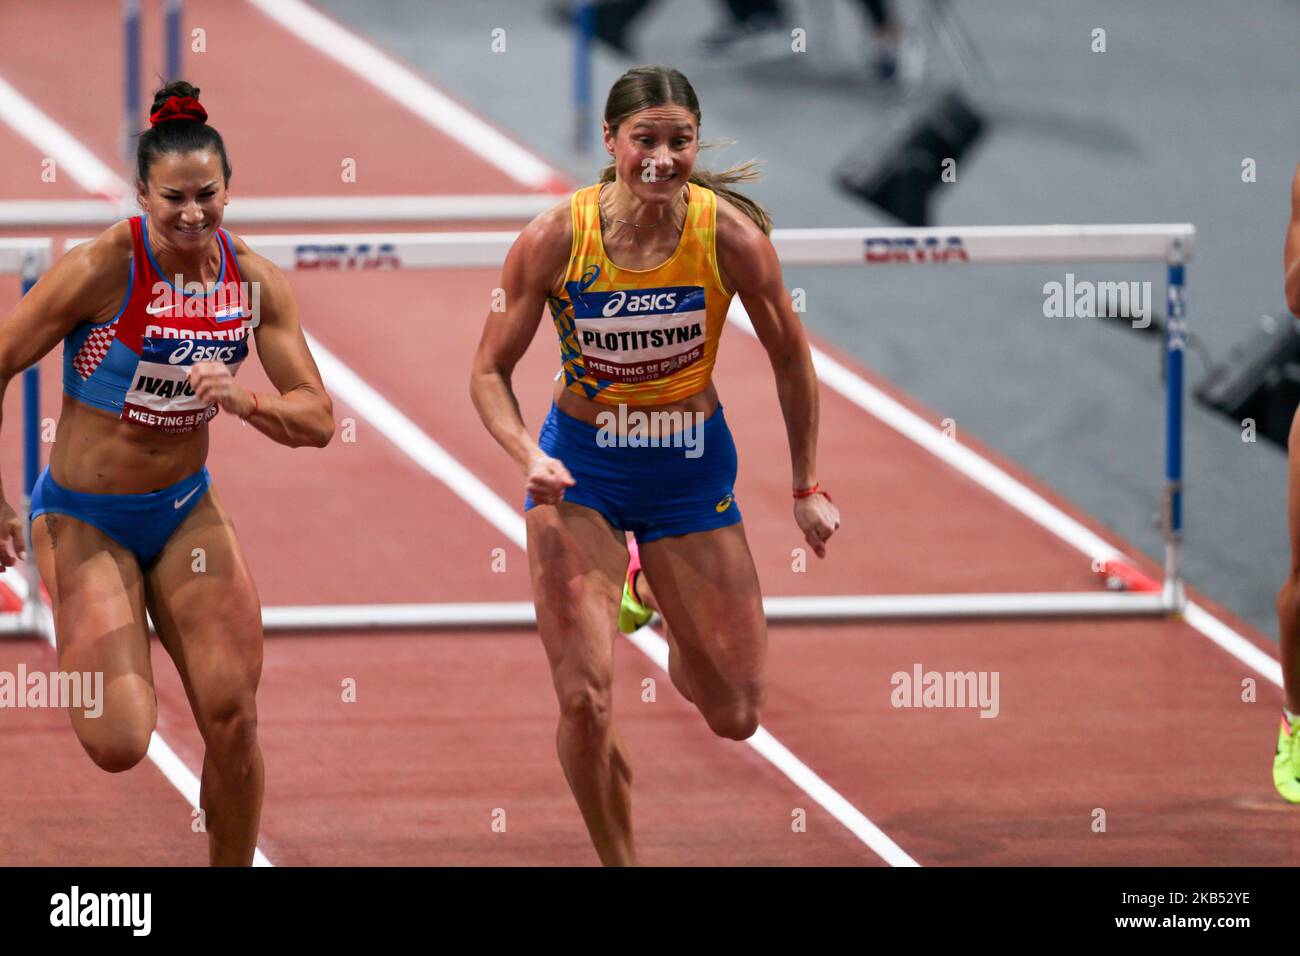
201, 353
724, 504
652, 302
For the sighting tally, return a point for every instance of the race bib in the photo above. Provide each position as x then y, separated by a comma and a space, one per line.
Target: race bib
638, 335
161, 396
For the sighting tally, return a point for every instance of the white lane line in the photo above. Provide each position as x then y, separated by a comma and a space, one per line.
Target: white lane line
410, 90
183, 779
650, 643
408, 437
1232, 642
993, 479
56, 143
430, 456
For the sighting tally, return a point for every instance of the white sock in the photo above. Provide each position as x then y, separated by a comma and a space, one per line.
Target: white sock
1290, 717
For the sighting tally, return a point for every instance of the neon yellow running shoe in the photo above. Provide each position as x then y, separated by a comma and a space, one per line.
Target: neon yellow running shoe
632, 614
1286, 763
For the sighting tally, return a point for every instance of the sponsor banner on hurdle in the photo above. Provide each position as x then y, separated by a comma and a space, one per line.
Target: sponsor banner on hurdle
819, 247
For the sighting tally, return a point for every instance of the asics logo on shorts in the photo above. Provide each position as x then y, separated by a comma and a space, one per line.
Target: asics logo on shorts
724, 504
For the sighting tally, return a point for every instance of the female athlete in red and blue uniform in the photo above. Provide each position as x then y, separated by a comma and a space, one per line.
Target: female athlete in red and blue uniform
155, 316
638, 272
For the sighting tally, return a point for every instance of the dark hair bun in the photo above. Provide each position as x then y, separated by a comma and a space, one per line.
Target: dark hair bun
175, 88
178, 123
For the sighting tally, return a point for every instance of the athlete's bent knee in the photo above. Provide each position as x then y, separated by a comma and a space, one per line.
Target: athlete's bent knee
737, 722
586, 710
117, 752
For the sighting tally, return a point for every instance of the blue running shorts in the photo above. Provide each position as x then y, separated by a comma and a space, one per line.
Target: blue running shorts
142, 523
678, 484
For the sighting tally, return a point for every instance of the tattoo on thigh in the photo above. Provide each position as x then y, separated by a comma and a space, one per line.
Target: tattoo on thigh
52, 525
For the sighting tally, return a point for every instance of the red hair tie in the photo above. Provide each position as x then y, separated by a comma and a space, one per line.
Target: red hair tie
179, 108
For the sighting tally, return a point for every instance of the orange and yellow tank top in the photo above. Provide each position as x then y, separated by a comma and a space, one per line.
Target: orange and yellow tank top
641, 336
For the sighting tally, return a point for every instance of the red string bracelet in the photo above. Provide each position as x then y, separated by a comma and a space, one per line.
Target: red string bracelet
814, 490
254, 411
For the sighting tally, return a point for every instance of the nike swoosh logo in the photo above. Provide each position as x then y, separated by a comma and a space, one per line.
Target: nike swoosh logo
152, 311
193, 492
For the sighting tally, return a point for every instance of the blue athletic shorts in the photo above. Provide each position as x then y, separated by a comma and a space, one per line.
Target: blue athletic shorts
682, 484
142, 523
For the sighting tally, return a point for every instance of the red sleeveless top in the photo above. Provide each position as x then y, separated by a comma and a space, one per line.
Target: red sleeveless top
137, 363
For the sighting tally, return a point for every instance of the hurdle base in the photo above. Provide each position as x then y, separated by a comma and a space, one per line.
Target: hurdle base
36, 620
520, 614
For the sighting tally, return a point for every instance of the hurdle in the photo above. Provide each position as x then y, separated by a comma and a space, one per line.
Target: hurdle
1171, 244
28, 259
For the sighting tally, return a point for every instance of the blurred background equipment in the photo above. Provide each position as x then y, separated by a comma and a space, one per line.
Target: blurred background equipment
899, 178
1260, 381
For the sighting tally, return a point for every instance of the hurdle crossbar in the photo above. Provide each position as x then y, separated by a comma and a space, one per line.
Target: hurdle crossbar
1171, 244
276, 210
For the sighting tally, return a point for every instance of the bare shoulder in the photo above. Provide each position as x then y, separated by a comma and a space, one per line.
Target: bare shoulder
95, 272
737, 233
554, 222
107, 254
743, 248
271, 289
545, 245
252, 263
550, 239
255, 267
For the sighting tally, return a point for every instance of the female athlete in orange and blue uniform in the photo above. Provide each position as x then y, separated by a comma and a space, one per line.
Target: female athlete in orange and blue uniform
639, 272
125, 516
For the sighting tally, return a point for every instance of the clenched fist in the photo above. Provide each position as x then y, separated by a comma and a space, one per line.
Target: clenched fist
213, 382
818, 519
13, 545
547, 479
